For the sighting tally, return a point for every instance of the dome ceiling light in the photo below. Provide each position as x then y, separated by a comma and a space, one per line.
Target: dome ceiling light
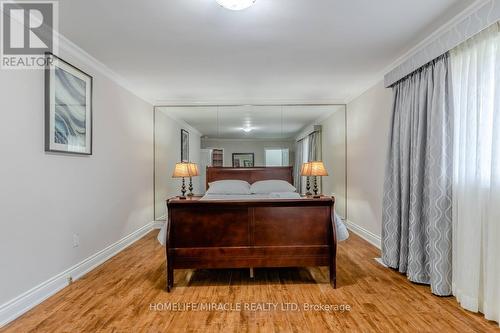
236, 4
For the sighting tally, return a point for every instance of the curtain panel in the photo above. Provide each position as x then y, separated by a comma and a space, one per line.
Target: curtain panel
476, 184
314, 150
299, 153
314, 153
417, 205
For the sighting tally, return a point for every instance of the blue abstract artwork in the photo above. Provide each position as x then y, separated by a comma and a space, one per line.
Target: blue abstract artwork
70, 109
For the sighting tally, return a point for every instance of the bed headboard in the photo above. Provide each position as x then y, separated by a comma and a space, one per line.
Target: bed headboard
250, 175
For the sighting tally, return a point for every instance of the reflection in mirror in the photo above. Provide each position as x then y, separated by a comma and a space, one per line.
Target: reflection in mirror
243, 160
251, 135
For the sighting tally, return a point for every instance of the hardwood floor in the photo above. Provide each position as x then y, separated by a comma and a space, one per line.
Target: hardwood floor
121, 295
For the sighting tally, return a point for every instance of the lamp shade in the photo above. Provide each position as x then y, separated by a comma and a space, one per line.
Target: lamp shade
193, 170
318, 169
181, 170
305, 170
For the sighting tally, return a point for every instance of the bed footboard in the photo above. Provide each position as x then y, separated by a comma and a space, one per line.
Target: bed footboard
246, 234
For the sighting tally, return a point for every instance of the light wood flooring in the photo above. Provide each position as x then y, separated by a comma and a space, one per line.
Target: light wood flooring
121, 295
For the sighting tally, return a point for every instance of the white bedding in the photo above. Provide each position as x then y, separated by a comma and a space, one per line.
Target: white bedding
236, 197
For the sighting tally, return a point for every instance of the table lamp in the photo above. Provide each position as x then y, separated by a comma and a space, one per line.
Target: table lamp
317, 170
193, 172
305, 171
181, 171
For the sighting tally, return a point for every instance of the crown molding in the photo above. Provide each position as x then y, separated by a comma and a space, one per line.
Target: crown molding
61, 42
275, 140
247, 102
309, 128
379, 77
84, 57
437, 33
181, 122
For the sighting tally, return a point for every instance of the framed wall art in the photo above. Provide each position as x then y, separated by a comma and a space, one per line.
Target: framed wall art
68, 108
243, 160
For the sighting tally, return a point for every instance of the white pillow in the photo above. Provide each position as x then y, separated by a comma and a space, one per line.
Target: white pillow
229, 187
271, 186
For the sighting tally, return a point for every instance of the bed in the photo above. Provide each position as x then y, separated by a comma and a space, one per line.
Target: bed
247, 232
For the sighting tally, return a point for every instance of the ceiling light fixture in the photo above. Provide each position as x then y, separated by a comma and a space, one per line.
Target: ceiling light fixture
236, 4
247, 129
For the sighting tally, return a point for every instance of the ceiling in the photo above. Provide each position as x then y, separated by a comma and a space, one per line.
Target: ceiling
286, 51
266, 122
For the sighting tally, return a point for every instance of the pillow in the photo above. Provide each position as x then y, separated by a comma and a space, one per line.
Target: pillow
271, 186
229, 187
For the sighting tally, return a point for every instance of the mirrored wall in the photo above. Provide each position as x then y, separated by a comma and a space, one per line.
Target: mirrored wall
246, 136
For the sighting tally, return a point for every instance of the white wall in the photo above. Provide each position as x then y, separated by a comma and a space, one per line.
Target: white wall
167, 154
46, 198
333, 142
368, 123
247, 146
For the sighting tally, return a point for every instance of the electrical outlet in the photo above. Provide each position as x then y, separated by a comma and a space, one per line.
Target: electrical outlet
76, 240
70, 280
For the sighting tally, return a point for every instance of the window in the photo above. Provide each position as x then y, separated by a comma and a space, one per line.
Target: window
476, 187
277, 157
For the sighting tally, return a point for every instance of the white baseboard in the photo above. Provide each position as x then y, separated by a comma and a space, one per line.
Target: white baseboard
379, 260
158, 224
369, 236
24, 302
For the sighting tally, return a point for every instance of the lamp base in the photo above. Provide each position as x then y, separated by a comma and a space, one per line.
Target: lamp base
190, 194
317, 196
182, 198
183, 189
315, 189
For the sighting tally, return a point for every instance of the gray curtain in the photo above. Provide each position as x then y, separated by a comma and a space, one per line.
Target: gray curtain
417, 225
314, 149
314, 154
299, 151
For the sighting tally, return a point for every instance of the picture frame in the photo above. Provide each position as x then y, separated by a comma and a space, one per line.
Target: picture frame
68, 108
184, 145
243, 160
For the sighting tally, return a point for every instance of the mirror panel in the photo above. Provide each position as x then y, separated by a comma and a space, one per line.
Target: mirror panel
269, 135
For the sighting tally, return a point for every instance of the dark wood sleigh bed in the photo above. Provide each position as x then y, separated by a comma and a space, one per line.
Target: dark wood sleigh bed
251, 233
